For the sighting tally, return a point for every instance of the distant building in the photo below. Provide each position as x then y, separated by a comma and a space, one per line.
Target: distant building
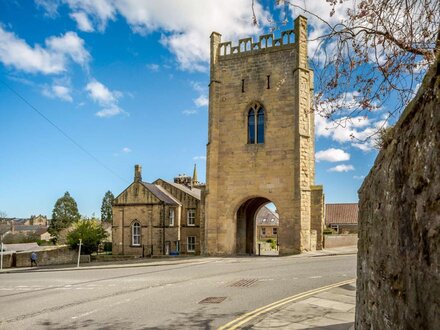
342, 217
159, 218
267, 224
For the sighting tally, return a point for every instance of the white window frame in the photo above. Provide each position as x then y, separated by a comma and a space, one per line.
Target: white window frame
191, 247
191, 217
136, 236
171, 215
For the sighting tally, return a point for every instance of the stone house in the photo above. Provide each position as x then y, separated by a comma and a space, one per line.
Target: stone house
267, 224
342, 217
159, 218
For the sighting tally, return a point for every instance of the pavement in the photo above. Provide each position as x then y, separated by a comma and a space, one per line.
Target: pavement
331, 307
328, 307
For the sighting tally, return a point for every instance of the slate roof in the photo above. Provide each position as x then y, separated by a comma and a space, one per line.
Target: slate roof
344, 213
194, 192
28, 228
266, 217
161, 194
22, 247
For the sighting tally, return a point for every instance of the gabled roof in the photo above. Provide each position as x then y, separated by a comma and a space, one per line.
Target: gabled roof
194, 192
343, 213
161, 194
267, 217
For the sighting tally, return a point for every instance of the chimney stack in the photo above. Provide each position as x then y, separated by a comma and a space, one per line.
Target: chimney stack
137, 173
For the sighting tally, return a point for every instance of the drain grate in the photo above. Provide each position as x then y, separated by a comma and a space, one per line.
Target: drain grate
212, 300
244, 283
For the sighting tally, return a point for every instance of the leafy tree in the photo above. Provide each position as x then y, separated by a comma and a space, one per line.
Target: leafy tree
367, 55
106, 207
91, 233
64, 214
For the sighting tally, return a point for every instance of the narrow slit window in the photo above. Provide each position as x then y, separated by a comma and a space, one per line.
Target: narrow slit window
242, 85
268, 82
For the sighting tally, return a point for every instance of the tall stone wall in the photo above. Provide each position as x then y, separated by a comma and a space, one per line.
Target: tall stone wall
398, 279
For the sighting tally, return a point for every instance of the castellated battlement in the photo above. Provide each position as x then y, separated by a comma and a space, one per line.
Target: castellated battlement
266, 42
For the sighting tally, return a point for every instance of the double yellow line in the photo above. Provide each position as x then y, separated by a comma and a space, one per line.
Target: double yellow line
234, 324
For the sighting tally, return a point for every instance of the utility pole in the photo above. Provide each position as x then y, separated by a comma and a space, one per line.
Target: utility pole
1, 249
79, 252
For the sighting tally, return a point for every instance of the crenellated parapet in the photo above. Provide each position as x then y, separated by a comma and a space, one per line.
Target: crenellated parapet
266, 43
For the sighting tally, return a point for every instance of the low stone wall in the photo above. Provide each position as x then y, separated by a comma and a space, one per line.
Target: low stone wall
54, 256
398, 281
332, 241
7, 259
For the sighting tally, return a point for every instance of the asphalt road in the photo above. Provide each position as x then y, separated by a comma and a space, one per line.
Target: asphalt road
161, 297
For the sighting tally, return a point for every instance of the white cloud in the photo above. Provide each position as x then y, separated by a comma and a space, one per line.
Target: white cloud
126, 150
332, 155
106, 98
51, 59
100, 93
185, 25
189, 112
58, 91
341, 168
358, 131
153, 67
195, 158
82, 21
49, 6
201, 101
110, 111
359, 177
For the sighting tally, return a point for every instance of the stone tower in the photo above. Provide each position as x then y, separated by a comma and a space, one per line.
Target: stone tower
261, 143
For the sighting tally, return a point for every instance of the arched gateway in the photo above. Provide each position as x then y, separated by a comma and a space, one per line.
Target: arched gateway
261, 144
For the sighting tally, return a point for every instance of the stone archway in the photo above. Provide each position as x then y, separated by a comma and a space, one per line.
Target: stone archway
246, 224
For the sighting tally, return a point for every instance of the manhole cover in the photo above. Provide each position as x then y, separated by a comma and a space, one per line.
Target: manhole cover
212, 300
244, 283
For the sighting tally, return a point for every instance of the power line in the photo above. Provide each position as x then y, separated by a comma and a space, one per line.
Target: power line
63, 133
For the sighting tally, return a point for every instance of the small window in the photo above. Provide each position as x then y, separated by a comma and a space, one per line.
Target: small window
274, 231
251, 127
136, 234
191, 218
171, 217
191, 244
263, 231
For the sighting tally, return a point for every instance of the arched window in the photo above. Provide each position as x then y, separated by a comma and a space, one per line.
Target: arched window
260, 126
136, 234
256, 124
251, 126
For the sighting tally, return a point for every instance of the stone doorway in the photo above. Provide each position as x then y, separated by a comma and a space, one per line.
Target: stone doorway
249, 240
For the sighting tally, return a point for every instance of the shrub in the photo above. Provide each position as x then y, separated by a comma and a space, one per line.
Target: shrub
91, 233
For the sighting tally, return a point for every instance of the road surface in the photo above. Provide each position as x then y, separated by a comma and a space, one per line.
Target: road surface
162, 297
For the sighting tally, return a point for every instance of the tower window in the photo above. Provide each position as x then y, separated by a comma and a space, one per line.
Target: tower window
256, 124
268, 82
242, 85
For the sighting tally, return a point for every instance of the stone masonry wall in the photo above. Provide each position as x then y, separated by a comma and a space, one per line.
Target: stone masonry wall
398, 275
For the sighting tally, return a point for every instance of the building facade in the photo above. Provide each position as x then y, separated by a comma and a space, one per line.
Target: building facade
159, 218
261, 143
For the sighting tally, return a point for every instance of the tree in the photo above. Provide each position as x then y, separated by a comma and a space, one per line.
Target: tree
106, 207
368, 55
91, 233
64, 214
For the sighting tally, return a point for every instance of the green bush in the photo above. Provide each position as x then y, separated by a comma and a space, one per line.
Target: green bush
91, 233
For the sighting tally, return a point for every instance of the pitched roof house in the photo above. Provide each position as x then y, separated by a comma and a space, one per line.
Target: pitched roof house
159, 218
342, 216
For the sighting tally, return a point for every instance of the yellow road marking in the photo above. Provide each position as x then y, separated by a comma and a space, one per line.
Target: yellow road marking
234, 324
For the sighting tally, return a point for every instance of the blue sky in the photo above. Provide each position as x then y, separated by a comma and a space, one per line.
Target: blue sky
127, 81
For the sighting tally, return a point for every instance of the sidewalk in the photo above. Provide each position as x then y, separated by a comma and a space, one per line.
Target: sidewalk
332, 309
